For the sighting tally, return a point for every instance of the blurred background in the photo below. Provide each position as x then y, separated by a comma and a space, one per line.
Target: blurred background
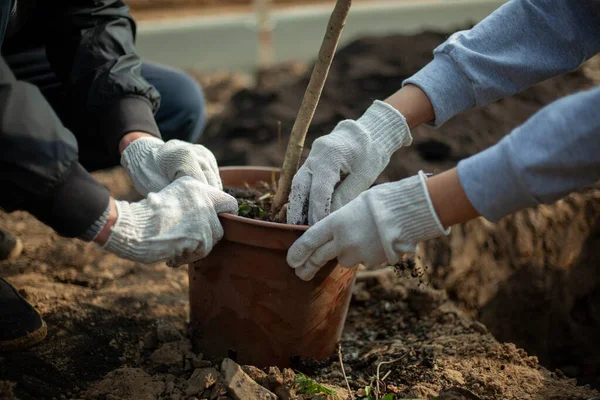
245, 34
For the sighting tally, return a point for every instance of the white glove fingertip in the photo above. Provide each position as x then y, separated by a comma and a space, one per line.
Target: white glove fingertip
226, 204
298, 207
296, 254
307, 272
304, 247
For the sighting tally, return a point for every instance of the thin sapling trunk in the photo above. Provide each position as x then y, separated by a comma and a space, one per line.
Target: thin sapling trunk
337, 21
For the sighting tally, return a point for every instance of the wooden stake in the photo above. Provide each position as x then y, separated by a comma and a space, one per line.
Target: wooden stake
337, 20
265, 34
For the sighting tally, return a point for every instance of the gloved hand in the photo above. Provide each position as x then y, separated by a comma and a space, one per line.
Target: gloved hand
360, 148
376, 227
153, 164
178, 224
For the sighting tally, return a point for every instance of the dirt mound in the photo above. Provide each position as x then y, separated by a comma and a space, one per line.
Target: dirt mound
116, 331
532, 279
426, 347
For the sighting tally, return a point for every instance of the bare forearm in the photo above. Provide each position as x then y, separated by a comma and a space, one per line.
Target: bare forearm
414, 104
130, 137
447, 194
102, 237
449, 199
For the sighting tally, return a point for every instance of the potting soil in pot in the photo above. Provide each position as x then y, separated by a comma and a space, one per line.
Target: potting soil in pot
116, 328
255, 202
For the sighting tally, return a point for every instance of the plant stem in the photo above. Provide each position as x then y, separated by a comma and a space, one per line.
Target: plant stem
344, 372
320, 71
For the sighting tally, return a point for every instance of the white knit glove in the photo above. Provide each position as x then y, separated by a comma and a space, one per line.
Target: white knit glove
153, 164
376, 227
179, 224
360, 148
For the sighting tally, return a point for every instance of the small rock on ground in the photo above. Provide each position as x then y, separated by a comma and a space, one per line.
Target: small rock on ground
171, 356
201, 379
126, 383
166, 331
240, 385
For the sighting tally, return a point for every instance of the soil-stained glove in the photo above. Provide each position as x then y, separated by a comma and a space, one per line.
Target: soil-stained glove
361, 149
153, 164
178, 224
374, 228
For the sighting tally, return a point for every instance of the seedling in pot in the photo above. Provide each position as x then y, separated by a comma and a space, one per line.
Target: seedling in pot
250, 209
307, 109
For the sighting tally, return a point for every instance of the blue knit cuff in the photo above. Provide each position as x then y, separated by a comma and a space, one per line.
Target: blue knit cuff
493, 184
447, 87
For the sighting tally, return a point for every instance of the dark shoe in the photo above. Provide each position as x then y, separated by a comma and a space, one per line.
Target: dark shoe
10, 246
21, 326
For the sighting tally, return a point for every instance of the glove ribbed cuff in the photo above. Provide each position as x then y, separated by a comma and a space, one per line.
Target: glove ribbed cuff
386, 126
407, 207
125, 234
138, 150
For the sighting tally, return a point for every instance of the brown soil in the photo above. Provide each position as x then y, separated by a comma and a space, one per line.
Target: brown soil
255, 202
532, 279
116, 331
117, 328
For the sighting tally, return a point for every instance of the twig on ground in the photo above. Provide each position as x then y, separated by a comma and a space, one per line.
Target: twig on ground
377, 374
379, 273
344, 372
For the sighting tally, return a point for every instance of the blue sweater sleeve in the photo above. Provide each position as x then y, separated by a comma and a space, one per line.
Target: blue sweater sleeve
521, 43
552, 154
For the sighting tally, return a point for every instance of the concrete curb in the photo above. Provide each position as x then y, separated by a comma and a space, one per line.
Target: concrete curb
230, 41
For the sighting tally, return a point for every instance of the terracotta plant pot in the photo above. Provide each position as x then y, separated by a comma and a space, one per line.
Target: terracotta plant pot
246, 303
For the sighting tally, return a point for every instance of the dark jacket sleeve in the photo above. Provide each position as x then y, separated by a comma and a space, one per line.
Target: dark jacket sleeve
39, 171
91, 48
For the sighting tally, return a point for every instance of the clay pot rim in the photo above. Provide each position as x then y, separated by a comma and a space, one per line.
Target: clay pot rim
256, 222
